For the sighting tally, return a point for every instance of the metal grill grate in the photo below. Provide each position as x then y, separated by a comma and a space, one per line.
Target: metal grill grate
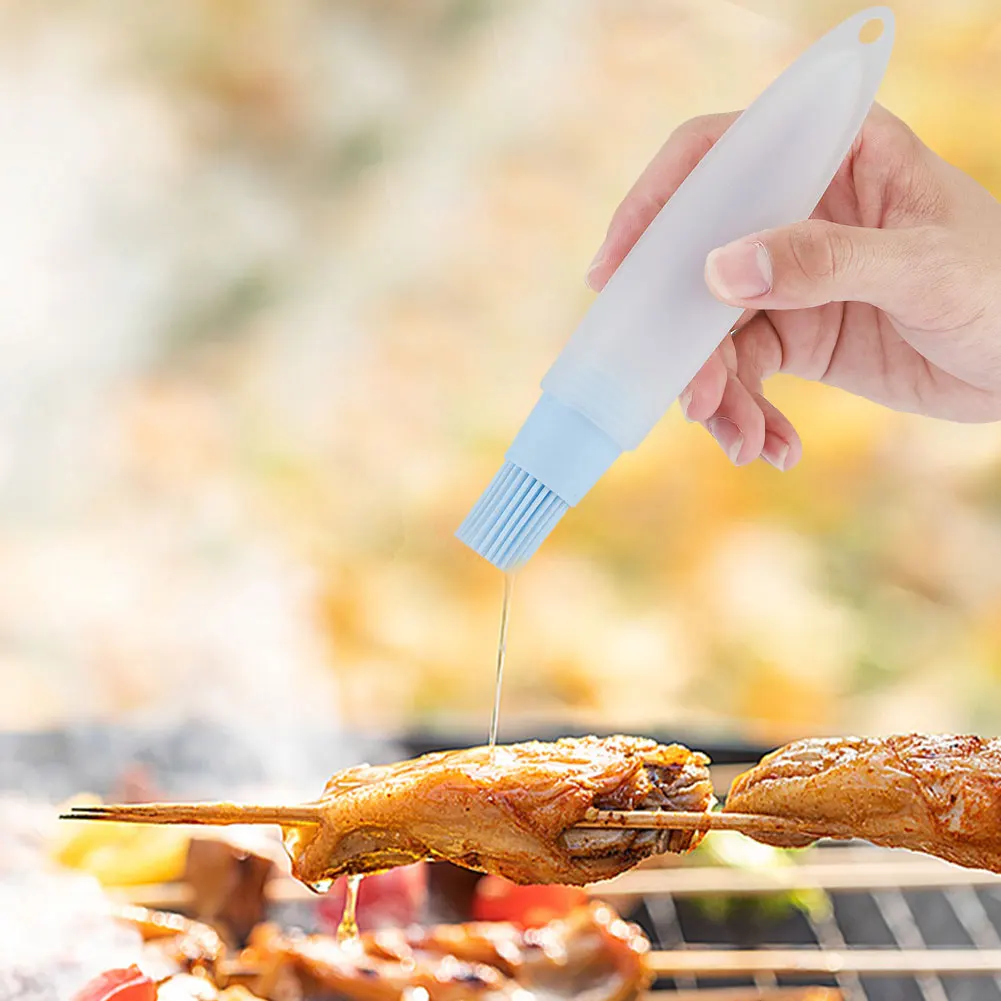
899, 927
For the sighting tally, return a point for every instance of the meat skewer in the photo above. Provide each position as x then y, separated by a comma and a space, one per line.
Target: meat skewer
222, 814
511, 810
583, 810
930, 793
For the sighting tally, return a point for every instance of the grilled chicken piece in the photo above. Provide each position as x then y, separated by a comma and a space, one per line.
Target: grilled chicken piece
507, 810
323, 964
591, 955
935, 794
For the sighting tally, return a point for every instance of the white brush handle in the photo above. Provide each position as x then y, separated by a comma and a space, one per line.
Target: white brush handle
656, 323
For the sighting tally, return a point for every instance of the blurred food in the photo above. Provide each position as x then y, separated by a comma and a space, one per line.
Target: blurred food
385, 899
227, 870
132, 985
497, 899
735, 851
129, 984
121, 854
507, 810
185, 987
190, 946
589, 955
929, 793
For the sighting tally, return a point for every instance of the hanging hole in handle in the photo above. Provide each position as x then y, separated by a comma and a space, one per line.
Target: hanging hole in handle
871, 31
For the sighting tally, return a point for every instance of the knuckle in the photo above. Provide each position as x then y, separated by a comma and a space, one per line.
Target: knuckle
820, 255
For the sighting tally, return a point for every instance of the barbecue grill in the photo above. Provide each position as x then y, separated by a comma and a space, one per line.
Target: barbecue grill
899, 927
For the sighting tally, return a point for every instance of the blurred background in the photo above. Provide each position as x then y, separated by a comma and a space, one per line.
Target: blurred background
280, 279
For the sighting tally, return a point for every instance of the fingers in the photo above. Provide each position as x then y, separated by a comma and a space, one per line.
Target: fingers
748, 427
816, 262
672, 164
738, 424
726, 398
701, 398
782, 447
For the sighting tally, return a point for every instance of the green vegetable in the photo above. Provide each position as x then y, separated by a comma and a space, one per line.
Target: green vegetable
733, 850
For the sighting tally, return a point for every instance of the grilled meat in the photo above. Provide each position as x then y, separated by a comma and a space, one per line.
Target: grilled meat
590, 955
507, 810
935, 794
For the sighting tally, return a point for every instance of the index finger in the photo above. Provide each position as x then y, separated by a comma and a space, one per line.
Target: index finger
675, 160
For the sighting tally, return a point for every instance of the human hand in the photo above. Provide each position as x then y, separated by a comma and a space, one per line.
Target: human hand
891, 290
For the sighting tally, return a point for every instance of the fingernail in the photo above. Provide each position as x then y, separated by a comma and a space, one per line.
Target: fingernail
740, 270
728, 435
775, 451
596, 263
685, 401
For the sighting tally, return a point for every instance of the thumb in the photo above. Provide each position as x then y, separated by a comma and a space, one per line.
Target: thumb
815, 262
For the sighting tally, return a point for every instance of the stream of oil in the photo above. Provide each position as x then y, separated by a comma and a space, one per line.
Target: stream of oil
501, 654
347, 930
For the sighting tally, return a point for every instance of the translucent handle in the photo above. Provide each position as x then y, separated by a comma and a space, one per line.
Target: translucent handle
656, 323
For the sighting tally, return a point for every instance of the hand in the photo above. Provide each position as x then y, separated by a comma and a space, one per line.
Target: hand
892, 290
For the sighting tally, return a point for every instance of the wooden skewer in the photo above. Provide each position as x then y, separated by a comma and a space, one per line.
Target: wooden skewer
216, 814
310, 813
746, 823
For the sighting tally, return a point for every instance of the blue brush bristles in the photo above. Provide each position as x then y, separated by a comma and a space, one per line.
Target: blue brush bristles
512, 518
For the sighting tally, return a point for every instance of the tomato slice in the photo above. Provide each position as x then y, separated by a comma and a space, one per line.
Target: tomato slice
529, 906
129, 984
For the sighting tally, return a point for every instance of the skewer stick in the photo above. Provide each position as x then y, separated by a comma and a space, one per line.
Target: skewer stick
310, 813
216, 814
746, 823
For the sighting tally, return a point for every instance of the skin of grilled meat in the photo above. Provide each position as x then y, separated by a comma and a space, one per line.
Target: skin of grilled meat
323, 964
507, 810
590, 955
935, 794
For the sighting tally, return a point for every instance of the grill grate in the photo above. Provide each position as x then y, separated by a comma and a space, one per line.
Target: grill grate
899, 927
